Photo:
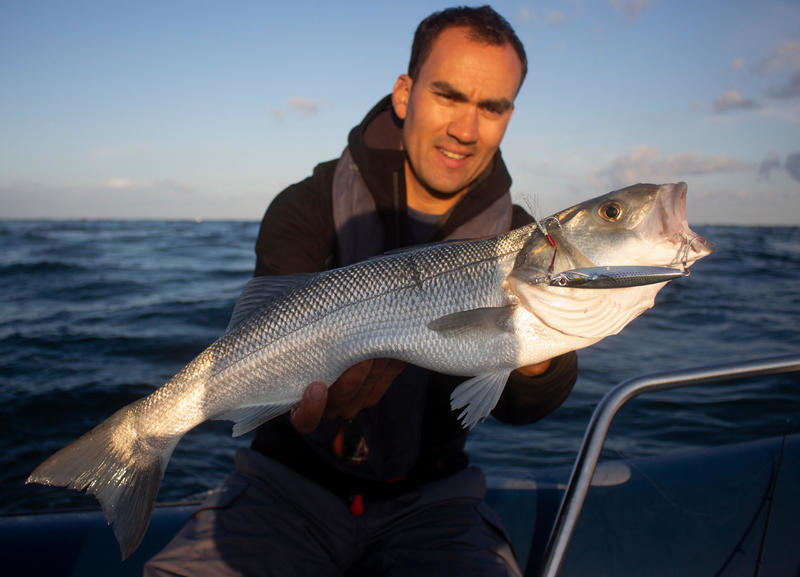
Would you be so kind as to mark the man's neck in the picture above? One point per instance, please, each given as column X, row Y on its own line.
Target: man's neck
column 420, row 199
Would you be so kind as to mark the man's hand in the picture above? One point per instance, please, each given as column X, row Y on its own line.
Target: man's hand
column 535, row 370
column 359, row 387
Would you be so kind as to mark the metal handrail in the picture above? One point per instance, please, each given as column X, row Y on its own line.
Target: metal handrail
column 596, row 431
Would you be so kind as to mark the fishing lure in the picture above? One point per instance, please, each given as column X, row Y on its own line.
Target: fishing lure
column 605, row 277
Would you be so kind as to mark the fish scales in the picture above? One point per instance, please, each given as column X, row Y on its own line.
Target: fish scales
column 371, row 309
column 347, row 315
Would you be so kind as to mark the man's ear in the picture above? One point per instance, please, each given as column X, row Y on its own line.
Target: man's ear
column 400, row 95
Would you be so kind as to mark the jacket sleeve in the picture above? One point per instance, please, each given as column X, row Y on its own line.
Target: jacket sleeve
column 297, row 233
column 528, row 399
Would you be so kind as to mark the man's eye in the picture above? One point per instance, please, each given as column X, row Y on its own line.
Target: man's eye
column 494, row 110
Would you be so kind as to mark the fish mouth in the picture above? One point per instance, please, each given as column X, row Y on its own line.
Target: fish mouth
column 689, row 246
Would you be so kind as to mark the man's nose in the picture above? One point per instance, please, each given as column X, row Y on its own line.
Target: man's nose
column 464, row 125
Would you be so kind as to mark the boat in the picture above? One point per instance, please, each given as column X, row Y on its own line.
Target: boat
column 728, row 510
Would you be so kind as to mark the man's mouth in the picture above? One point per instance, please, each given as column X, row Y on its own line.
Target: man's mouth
column 453, row 155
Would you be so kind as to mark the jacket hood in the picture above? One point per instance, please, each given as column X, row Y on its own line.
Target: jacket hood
column 377, row 149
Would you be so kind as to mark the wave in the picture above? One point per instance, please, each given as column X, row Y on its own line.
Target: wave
column 43, row 267
column 96, row 314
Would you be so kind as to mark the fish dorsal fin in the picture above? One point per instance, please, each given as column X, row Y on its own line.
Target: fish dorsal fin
column 485, row 321
column 424, row 245
column 589, row 314
column 478, row 396
column 262, row 290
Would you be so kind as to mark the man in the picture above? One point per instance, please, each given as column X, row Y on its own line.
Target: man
column 370, row 477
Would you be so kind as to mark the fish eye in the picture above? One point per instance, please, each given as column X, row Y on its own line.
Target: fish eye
column 611, row 211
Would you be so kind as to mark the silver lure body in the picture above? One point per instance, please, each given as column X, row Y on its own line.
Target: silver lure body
column 606, row 277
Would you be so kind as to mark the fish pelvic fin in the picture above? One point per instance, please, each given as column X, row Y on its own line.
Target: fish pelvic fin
column 478, row 396
column 121, row 468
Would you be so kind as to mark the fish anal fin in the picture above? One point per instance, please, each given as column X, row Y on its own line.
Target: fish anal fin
column 248, row 418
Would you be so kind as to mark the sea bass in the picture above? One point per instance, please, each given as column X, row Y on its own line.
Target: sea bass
column 472, row 308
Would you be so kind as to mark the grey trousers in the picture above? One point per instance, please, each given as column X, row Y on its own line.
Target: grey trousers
column 265, row 519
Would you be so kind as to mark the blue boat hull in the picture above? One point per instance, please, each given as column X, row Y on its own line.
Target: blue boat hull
column 728, row 511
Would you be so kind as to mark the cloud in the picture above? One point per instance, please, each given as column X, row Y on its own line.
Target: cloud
column 733, row 100
column 792, row 165
column 789, row 90
column 119, row 183
column 631, row 8
column 554, row 18
column 770, row 163
column 647, row 164
column 125, row 186
column 112, row 198
column 784, row 57
column 304, row 106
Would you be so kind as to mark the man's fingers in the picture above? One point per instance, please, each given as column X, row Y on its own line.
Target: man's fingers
column 305, row 417
column 390, row 368
column 347, row 387
column 359, row 387
column 376, row 383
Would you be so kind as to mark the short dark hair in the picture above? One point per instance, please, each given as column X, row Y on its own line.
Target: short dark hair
column 484, row 24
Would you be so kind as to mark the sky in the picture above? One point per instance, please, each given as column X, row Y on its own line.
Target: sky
column 207, row 110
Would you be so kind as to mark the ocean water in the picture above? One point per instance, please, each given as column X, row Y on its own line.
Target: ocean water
column 95, row 314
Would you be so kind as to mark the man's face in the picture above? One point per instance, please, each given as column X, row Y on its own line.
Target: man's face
column 456, row 111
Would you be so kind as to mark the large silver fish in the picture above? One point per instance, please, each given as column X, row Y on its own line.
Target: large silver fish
column 473, row 308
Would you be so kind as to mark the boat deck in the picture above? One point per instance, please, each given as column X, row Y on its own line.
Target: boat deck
column 730, row 510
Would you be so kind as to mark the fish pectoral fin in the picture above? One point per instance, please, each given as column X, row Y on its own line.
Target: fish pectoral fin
column 478, row 396
column 246, row 419
column 262, row 290
column 486, row 321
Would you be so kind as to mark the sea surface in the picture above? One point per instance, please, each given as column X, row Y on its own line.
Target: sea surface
column 96, row 314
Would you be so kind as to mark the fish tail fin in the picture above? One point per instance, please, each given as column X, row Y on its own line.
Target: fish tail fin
column 117, row 465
